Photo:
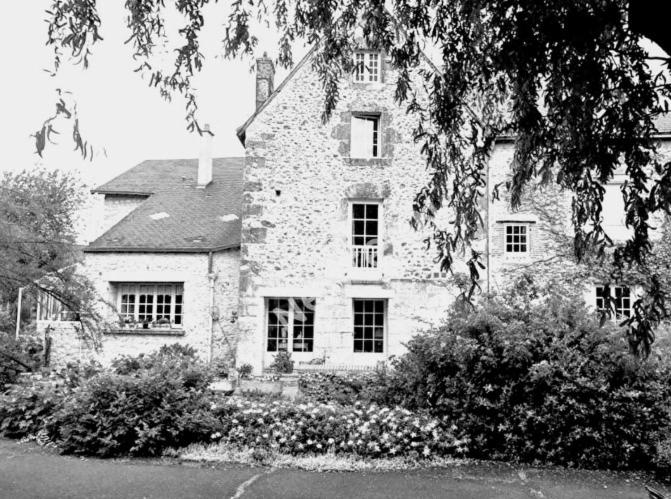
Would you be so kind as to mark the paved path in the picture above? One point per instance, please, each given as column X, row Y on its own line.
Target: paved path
column 27, row 471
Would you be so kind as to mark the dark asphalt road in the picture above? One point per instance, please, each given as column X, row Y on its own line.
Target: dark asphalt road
column 27, row 471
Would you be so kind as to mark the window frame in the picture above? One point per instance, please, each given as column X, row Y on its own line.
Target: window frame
column 362, row 69
column 351, row 235
column 373, row 340
column 376, row 138
column 527, row 239
column 151, row 319
column 615, row 313
column 291, row 325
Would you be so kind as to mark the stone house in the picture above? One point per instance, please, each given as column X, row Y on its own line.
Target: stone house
column 304, row 245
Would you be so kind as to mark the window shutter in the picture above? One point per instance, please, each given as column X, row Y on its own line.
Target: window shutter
column 362, row 138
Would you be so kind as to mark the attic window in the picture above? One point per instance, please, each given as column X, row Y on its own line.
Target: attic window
column 367, row 67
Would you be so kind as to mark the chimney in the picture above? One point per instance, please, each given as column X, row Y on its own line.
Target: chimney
column 205, row 158
column 265, row 79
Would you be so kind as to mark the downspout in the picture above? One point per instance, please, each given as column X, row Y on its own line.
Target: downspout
column 18, row 313
column 211, row 277
column 488, row 225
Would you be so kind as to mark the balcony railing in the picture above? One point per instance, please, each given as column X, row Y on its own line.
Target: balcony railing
column 364, row 257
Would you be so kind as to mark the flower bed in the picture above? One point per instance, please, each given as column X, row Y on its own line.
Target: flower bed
column 369, row 431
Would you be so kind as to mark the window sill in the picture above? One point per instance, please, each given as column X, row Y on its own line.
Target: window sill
column 368, row 161
column 145, row 332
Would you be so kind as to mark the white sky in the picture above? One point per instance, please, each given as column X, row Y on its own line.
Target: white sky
column 119, row 114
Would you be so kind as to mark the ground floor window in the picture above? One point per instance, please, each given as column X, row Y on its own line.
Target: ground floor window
column 50, row 308
column 369, row 325
column 150, row 305
column 290, row 324
column 620, row 300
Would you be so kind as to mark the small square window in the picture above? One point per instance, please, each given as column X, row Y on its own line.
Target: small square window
column 365, row 136
column 366, row 67
column 517, row 240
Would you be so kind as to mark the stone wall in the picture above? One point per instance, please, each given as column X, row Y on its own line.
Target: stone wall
column 299, row 181
column 190, row 269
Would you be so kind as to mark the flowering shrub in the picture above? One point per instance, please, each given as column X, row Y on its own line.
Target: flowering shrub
column 533, row 377
column 27, row 349
column 370, row 431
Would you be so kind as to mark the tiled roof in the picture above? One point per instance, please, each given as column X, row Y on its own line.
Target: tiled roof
column 177, row 215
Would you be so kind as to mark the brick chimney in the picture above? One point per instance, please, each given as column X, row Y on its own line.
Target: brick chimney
column 205, row 158
column 265, row 79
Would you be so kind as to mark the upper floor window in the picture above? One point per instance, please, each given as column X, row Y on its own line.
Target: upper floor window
column 620, row 300
column 290, row 324
column 365, row 136
column 367, row 67
column 517, row 238
column 365, row 234
column 150, row 305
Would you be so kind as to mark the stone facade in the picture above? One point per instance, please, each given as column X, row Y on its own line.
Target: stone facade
column 206, row 295
column 299, row 183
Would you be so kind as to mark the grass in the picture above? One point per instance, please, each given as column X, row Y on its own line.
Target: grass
column 315, row 462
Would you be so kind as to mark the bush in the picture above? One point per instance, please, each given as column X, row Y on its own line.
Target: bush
column 142, row 415
column 25, row 409
column 28, row 349
column 345, row 389
column 282, row 363
column 532, row 377
column 245, row 371
column 370, row 431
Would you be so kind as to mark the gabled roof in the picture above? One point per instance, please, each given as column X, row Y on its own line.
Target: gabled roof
column 176, row 215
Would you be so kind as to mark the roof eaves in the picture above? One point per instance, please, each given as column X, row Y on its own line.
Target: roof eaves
column 123, row 249
column 121, row 193
column 240, row 132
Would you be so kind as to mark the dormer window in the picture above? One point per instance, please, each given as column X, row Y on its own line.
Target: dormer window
column 367, row 67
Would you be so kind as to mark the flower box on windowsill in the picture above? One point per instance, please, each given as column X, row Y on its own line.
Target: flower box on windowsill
column 146, row 332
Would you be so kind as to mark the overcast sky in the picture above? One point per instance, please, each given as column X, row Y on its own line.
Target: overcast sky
column 120, row 115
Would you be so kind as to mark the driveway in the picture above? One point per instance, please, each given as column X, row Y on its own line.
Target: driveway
column 28, row 471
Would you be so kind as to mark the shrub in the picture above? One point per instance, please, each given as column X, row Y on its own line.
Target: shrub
column 282, row 363
column 532, row 377
column 27, row 349
column 115, row 415
column 370, row 431
column 25, row 409
column 345, row 388
column 245, row 371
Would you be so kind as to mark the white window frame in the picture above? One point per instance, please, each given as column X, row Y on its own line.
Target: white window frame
column 367, row 66
column 363, row 145
column 616, row 314
column 527, row 239
column 385, row 325
column 291, row 333
column 355, row 250
column 131, row 320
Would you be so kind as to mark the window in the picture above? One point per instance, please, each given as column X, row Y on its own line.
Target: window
column 50, row 308
column 157, row 305
column 365, row 235
column 291, row 324
column 517, row 238
column 367, row 67
column 369, row 325
column 365, row 136
column 620, row 300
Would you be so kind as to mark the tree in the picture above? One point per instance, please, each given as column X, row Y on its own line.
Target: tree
column 569, row 80
column 38, row 240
